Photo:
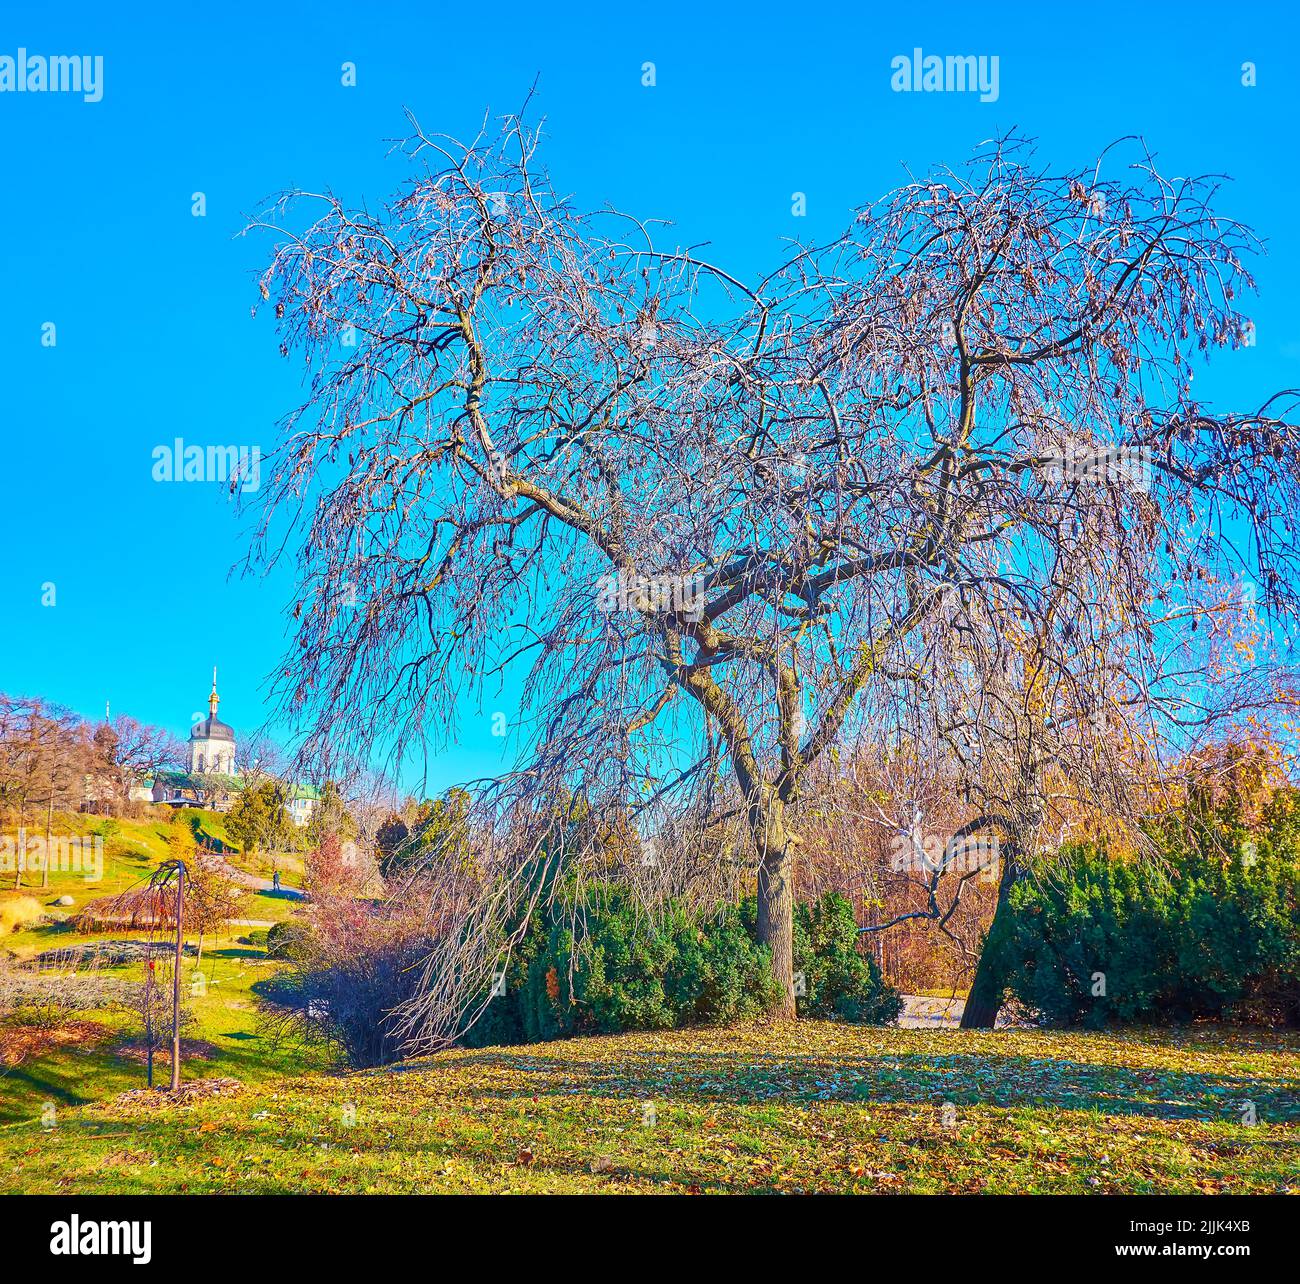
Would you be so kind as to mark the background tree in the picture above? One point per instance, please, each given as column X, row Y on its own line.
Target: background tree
column 67, row 756
column 369, row 797
column 210, row 900
column 721, row 526
column 881, row 826
column 331, row 816
column 391, row 843
column 45, row 763
column 335, row 867
column 130, row 752
column 259, row 759
column 440, row 834
column 258, row 820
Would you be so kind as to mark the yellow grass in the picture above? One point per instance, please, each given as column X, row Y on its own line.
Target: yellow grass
column 17, row 912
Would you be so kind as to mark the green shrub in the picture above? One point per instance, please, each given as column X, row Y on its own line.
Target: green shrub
column 720, row 973
column 630, row 971
column 285, row 939
column 1211, row 931
column 839, row 983
column 635, row 971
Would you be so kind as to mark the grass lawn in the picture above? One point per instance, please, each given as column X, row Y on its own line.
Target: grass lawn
column 132, row 850
column 809, row 1107
column 231, row 1041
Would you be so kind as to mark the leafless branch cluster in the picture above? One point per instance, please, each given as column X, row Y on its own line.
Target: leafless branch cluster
column 942, row 483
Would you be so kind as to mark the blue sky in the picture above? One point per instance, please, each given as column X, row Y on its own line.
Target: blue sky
column 151, row 305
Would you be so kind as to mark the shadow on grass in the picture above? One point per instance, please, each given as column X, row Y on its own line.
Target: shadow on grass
column 86, row 1081
column 236, row 952
column 974, row 1079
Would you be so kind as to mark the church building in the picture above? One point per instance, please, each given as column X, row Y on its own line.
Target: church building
column 211, row 779
column 212, row 742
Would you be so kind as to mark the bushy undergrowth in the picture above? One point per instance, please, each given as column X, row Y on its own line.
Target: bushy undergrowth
column 839, row 983
column 620, row 967
column 1210, row 930
column 349, row 969
column 623, row 968
column 609, row 966
column 43, row 998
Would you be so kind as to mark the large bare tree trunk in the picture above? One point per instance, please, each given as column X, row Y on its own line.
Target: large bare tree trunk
column 985, row 998
column 776, row 919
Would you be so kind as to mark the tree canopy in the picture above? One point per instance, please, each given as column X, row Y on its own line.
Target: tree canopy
column 945, row 478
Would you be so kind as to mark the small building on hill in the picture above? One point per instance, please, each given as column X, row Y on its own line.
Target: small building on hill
column 212, row 778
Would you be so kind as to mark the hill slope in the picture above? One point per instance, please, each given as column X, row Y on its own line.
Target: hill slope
column 813, row 1107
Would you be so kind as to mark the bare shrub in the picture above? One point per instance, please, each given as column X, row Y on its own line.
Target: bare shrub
column 45, row 997
column 352, row 965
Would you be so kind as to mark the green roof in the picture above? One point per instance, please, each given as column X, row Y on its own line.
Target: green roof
column 184, row 780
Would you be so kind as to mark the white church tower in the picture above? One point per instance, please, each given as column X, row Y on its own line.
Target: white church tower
column 212, row 742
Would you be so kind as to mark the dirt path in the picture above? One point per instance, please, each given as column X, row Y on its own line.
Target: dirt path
column 923, row 1012
column 257, row 882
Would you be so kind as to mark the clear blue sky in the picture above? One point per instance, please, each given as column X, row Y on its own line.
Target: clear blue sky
column 154, row 338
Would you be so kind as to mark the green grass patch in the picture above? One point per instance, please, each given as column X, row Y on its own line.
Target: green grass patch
column 235, row 1042
column 812, row 1106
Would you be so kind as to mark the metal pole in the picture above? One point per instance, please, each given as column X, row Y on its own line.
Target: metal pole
column 148, row 1020
column 176, row 977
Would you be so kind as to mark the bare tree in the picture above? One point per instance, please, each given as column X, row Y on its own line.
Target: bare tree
column 368, row 797
column 152, row 1002
column 210, row 903
column 45, row 762
column 132, row 752
column 260, row 759
column 944, row 477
